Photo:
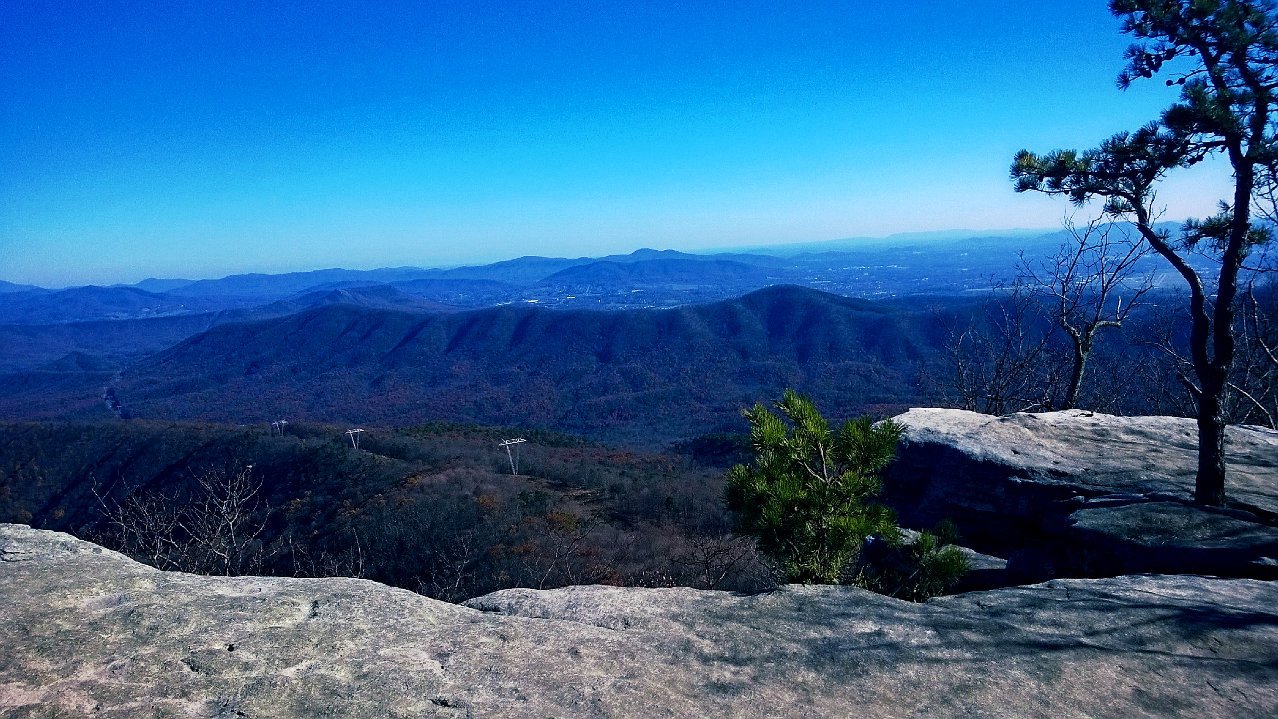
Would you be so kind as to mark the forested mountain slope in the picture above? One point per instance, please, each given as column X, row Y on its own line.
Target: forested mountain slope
column 647, row 375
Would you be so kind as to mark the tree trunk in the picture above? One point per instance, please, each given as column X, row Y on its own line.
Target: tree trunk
column 1082, row 348
column 1212, row 372
column 1209, row 483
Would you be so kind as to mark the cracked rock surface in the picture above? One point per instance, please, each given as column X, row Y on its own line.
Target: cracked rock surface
column 86, row 632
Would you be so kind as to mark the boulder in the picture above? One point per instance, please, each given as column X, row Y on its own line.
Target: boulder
column 1077, row 493
column 88, row 632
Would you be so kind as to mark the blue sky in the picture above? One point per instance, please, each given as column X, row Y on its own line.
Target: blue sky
column 185, row 139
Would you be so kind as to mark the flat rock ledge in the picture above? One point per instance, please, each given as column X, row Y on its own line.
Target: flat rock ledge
column 86, row 632
column 1079, row 493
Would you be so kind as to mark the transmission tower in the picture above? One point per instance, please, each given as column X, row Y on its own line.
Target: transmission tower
column 512, row 456
column 354, row 435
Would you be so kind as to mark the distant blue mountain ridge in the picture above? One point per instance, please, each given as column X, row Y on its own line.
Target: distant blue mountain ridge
column 115, row 325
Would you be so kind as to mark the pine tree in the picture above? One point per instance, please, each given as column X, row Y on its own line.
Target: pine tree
column 1223, row 55
column 807, row 497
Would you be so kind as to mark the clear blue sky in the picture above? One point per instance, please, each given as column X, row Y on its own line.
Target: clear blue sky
column 198, row 139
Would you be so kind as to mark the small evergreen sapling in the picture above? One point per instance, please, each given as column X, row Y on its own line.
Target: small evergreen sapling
column 806, row 498
column 807, row 501
column 929, row 565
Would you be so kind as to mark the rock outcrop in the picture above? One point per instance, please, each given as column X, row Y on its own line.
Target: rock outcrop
column 88, row 632
column 1076, row 493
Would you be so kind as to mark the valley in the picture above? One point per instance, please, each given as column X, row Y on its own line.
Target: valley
column 644, row 349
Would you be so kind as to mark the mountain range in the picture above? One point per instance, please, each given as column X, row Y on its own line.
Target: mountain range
column 648, row 347
column 120, row 324
column 642, row 376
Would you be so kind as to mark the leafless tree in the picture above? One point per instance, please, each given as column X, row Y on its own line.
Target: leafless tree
column 558, row 548
column 715, row 558
column 216, row 530
column 1255, row 375
column 1004, row 364
column 1084, row 284
column 223, row 522
column 1017, row 358
column 146, row 527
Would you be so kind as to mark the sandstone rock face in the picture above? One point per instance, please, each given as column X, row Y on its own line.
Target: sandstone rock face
column 1085, row 494
column 87, row 632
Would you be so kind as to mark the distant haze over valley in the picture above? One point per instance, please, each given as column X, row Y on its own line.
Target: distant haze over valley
column 600, row 346
column 189, row 273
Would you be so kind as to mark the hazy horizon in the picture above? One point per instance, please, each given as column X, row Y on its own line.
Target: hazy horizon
column 779, row 249
column 150, row 140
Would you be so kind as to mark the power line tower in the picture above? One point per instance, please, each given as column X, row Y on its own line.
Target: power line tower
column 354, row 435
column 512, row 456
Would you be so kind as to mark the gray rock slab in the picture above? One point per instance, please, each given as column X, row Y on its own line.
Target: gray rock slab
column 87, row 632
column 1100, row 453
column 1080, row 493
column 1174, row 537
